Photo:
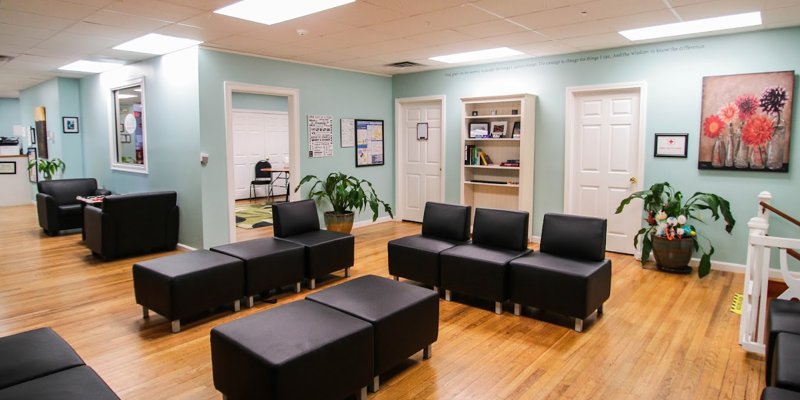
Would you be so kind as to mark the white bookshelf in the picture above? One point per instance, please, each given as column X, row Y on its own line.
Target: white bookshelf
column 495, row 186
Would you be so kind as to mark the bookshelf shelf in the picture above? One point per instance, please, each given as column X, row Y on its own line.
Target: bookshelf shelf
column 490, row 167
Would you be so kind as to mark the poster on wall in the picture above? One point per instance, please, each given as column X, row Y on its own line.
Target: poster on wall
column 746, row 122
column 320, row 136
column 369, row 142
column 347, row 132
column 40, row 118
column 33, row 174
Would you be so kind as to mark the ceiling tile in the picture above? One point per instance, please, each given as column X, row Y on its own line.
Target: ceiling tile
column 517, row 39
column 127, row 21
column 33, row 20
column 155, row 9
column 284, row 51
column 361, row 14
column 439, row 37
column 240, row 43
column 349, row 38
column 599, row 41
column 51, row 8
column 433, row 21
column 287, row 32
column 392, row 46
column 716, row 8
column 546, row 49
column 416, row 7
column 208, row 5
column 192, row 32
column 785, row 16
column 221, row 23
column 97, row 30
column 491, row 28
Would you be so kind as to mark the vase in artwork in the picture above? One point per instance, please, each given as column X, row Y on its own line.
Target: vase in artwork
column 718, row 153
column 775, row 148
column 741, row 157
column 757, row 157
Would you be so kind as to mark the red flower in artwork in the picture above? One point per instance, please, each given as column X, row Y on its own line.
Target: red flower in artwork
column 757, row 130
column 728, row 112
column 747, row 105
column 712, row 126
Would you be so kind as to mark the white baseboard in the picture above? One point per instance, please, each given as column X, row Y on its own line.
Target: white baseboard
column 368, row 222
column 774, row 274
column 185, row 247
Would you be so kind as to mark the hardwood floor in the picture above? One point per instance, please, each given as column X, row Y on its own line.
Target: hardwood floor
column 662, row 336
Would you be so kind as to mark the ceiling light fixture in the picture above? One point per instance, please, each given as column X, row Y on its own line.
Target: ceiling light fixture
column 696, row 26
column 93, row 67
column 479, row 55
column 154, row 43
column 274, row 11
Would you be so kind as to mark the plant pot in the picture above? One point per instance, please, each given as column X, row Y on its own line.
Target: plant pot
column 673, row 255
column 339, row 222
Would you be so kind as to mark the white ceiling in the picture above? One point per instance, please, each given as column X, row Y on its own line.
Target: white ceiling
column 43, row 35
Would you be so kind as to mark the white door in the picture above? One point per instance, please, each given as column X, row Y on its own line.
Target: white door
column 421, row 170
column 258, row 135
column 606, row 161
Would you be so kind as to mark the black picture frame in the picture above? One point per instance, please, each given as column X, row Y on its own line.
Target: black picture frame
column 69, row 125
column 33, row 134
column 478, row 130
column 671, row 145
column 33, row 174
column 369, row 142
column 4, row 170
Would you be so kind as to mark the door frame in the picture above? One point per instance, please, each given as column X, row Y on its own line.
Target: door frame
column 400, row 147
column 572, row 94
column 293, row 100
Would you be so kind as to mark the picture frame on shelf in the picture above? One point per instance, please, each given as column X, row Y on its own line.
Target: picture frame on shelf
column 478, row 130
column 671, row 145
column 69, row 124
column 515, row 131
column 498, row 129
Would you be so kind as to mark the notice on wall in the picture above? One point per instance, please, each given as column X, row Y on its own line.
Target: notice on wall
column 347, row 132
column 320, row 136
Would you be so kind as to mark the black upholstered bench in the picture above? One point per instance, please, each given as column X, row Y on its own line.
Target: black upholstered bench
column 773, row 393
column 405, row 317
column 783, row 316
column 269, row 263
column 786, row 362
column 187, row 284
column 301, row 350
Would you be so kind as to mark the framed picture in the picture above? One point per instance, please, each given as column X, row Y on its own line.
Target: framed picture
column 515, row 131
column 422, row 131
column 33, row 175
column 478, row 129
column 670, row 145
column 499, row 128
column 347, row 132
column 8, row 167
column 746, row 122
column 369, row 142
column 33, row 135
column 69, row 124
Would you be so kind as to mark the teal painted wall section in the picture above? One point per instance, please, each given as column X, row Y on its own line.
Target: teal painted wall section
column 248, row 101
column 172, row 129
column 71, row 144
column 673, row 72
column 9, row 116
column 340, row 94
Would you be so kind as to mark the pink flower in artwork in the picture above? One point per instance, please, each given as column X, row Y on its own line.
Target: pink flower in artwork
column 728, row 112
column 747, row 105
column 758, row 130
column 712, row 126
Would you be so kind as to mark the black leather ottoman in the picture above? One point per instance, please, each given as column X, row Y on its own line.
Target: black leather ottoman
column 786, row 362
column 269, row 263
column 773, row 393
column 32, row 354
column 405, row 317
column 783, row 316
column 299, row 351
column 325, row 252
column 187, row 284
column 78, row 383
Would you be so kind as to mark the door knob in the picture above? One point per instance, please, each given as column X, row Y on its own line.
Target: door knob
column 633, row 180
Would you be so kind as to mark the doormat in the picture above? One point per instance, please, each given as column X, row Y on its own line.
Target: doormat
column 736, row 304
column 253, row 216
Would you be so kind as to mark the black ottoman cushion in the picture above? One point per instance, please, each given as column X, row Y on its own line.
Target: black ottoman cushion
column 786, row 361
column 477, row 270
column 301, row 350
column 326, row 251
column 417, row 257
column 773, row 393
column 186, row 284
column 32, row 354
column 572, row 287
column 405, row 317
column 783, row 316
column 269, row 263
column 78, row 383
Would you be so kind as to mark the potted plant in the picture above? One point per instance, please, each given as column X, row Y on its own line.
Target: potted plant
column 345, row 193
column 670, row 233
column 48, row 167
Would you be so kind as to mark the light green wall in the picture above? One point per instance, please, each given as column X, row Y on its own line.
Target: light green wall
column 249, row 101
column 172, row 129
column 673, row 72
column 326, row 91
column 9, row 116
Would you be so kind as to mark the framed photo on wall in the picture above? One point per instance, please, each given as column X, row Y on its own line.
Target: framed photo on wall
column 369, row 142
column 69, row 124
column 670, row 145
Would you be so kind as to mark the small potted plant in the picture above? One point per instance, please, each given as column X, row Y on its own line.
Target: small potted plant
column 670, row 233
column 345, row 193
column 48, row 167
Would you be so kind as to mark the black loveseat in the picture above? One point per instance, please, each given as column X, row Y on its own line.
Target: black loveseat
column 783, row 351
column 57, row 206
column 132, row 224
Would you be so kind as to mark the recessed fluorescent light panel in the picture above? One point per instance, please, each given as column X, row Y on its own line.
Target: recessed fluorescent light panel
column 270, row 12
column 479, row 55
column 154, row 43
column 89, row 66
column 696, row 26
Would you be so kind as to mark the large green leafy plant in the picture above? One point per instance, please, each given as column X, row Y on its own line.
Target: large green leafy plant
column 345, row 193
column 48, row 167
column 669, row 215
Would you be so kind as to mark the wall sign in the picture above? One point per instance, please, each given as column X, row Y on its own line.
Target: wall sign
column 347, row 132
column 320, row 136
column 369, row 142
column 670, row 145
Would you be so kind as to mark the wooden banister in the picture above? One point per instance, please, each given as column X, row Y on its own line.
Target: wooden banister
column 780, row 213
column 793, row 253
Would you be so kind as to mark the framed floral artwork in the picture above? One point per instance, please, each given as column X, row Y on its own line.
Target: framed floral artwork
column 746, row 122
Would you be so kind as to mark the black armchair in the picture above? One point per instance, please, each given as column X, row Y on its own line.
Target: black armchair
column 479, row 268
column 132, row 224
column 56, row 204
column 416, row 257
column 325, row 251
column 569, row 274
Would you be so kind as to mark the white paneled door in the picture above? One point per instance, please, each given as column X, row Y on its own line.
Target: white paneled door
column 421, row 172
column 258, row 135
column 605, row 161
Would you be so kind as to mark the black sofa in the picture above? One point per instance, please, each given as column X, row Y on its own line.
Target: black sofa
column 416, row 257
column 132, row 224
column 325, row 251
column 783, row 351
column 39, row 364
column 57, row 206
